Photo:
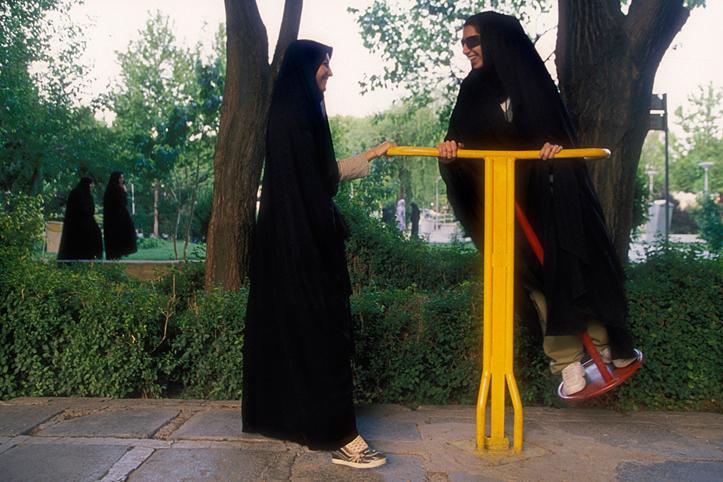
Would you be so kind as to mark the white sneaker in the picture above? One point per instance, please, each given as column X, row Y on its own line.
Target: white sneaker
column 617, row 363
column 573, row 378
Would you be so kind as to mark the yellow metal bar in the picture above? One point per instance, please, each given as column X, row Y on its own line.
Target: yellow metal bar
column 498, row 329
column 474, row 154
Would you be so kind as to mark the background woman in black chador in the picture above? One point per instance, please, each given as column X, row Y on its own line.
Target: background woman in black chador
column 120, row 233
column 297, row 382
column 81, row 237
column 509, row 101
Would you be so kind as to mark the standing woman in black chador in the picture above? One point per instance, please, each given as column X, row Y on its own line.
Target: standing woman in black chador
column 509, row 102
column 297, row 382
column 81, row 237
column 120, row 233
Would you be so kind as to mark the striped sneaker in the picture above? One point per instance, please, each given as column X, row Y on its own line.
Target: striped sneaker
column 366, row 459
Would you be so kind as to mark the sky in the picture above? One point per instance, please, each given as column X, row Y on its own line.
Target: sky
column 694, row 59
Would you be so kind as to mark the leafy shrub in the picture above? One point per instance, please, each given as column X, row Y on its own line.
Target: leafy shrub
column 21, row 225
column 71, row 331
column 676, row 316
column 417, row 347
column 89, row 330
column 708, row 218
column 209, row 343
column 380, row 256
column 149, row 243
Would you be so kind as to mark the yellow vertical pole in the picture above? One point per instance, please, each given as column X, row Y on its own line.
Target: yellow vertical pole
column 497, row 370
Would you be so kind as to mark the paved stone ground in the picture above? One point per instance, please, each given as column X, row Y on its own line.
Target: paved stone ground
column 79, row 440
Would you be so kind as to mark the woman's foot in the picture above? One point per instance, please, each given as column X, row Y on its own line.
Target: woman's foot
column 573, row 378
column 358, row 454
column 618, row 362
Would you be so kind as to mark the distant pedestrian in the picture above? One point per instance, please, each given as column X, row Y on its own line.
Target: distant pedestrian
column 387, row 215
column 401, row 215
column 81, row 237
column 415, row 220
column 120, row 233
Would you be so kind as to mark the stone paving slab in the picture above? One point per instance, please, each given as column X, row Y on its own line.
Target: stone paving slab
column 208, row 465
column 18, row 420
column 216, row 424
column 139, row 423
column 670, row 471
column 58, row 462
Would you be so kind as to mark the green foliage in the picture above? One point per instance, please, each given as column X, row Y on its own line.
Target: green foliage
column 149, row 243
column 21, row 226
column 702, row 124
column 711, row 225
column 74, row 332
column 415, row 347
column 208, row 348
column 380, row 257
column 412, row 178
column 676, row 315
column 89, row 330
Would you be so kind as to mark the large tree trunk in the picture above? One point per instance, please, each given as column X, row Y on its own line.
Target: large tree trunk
column 606, row 63
column 239, row 151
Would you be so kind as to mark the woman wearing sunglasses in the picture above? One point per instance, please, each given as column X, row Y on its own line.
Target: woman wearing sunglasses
column 509, row 102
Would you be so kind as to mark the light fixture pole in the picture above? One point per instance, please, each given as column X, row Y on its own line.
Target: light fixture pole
column 436, row 203
column 651, row 174
column 706, row 166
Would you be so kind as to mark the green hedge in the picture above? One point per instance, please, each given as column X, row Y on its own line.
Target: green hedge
column 92, row 331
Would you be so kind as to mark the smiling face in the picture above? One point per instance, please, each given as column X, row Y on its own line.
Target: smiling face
column 323, row 74
column 471, row 46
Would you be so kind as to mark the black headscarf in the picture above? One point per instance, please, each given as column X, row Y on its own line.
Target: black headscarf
column 512, row 103
column 81, row 237
column 120, row 232
column 297, row 372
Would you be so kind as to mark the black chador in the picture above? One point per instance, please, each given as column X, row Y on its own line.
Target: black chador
column 511, row 103
column 120, row 233
column 81, row 237
column 297, row 381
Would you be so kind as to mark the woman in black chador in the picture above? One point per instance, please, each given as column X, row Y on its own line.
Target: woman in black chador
column 297, row 382
column 120, row 233
column 509, row 102
column 81, row 237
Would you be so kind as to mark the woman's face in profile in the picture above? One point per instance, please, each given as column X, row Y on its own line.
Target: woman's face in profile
column 471, row 46
column 323, row 74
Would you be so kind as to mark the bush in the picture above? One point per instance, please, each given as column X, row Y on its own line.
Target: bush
column 676, row 317
column 72, row 331
column 709, row 220
column 149, row 243
column 21, row 225
column 208, row 346
column 381, row 258
column 89, row 330
column 417, row 347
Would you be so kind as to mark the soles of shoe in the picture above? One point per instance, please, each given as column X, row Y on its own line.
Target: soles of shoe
column 356, row 465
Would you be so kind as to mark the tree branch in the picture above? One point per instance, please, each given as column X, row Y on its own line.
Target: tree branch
column 288, row 32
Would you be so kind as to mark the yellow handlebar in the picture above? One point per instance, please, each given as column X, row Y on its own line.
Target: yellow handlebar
column 473, row 154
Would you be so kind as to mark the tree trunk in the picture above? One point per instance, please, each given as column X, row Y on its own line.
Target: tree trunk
column 156, row 191
column 606, row 63
column 240, row 146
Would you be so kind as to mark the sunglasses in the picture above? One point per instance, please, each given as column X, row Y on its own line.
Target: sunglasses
column 472, row 41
